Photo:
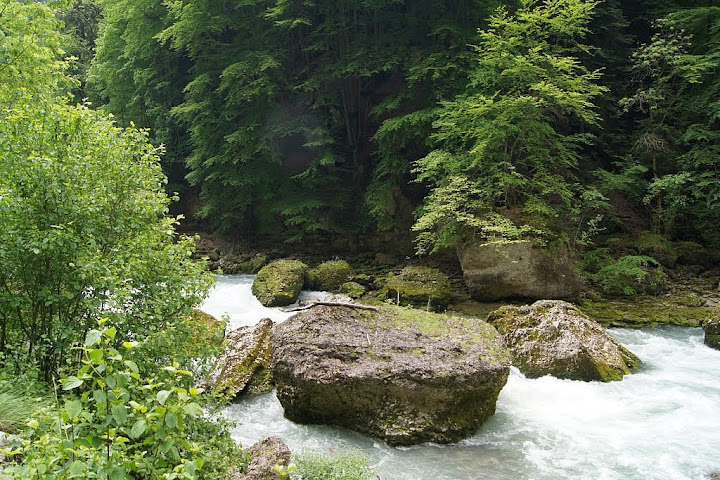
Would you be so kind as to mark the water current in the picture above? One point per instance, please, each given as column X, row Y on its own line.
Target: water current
column 661, row 423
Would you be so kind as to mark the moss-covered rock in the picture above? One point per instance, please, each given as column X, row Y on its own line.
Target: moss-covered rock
column 423, row 287
column 712, row 331
column 632, row 275
column 691, row 253
column 352, row 289
column 658, row 247
column 520, row 269
column 402, row 375
column 329, row 276
column 244, row 366
column 279, row 283
column 552, row 337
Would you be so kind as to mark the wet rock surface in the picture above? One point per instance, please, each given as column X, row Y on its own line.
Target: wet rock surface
column 400, row 375
column 244, row 366
column 552, row 337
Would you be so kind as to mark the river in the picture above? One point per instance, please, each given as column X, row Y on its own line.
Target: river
column 662, row 423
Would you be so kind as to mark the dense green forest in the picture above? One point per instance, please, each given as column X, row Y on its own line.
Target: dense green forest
column 289, row 118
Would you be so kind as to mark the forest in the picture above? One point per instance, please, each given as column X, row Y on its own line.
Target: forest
column 300, row 119
column 131, row 131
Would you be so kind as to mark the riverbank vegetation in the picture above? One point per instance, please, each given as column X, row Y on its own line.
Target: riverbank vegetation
column 347, row 127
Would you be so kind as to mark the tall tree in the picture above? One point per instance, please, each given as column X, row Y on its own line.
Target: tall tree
column 507, row 149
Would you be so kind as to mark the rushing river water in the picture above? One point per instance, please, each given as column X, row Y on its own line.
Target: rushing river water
column 662, row 423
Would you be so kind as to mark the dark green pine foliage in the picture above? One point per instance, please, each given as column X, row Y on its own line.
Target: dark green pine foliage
column 676, row 108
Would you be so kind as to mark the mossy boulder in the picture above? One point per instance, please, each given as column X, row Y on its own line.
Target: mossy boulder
column 244, row 366
column 632, row 275
column 401, row 375
column 658, row 247
column 519, row 269
column 329, row 276
column 691, row 253
column 352, row 289
column 712, row 331
column 424, row 287
column 552, row 337
column 279, row 283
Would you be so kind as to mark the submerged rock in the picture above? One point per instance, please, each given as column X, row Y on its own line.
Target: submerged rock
column 402, row 375
column 553, row 337
column 244, row 366
column 523, row 269
column 423, row 287
column 712, row 332
column 279, row 283
column 329, row 276
column 267, row 455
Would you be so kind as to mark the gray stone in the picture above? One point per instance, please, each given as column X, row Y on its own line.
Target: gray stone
column 552, row 337
column 712, row 331
column 244, row 366
column 519, row 269
column 267, row 456
column 402, row 375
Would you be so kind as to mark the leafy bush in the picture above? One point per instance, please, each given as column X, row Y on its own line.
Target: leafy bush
column 345, row 465
column 118, row 422
column 631, row 275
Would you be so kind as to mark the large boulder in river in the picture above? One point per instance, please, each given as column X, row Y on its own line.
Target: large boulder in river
column 279, row 283
column 402, row 375
column 244, row 366
column 423, row 287
column 712, row 331
column 552, row 337
column 518, row 269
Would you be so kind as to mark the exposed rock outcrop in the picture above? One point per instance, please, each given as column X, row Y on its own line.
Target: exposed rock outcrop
column 279, row 283
column 244, row 366
column 423, row 287
column 401, row 375
column 520, row 269
column 553, row 337
column 267, row 456
column 329, row 276
column 712, row 332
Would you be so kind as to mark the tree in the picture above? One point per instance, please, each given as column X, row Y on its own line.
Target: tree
column 506, row 150
column 83, row 225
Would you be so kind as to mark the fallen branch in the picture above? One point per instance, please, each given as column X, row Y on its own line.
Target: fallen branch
column 331, row 304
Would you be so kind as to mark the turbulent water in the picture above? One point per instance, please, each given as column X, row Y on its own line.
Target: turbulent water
column 661, row 423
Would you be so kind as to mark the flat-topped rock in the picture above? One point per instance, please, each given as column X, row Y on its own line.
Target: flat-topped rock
column 401, row 375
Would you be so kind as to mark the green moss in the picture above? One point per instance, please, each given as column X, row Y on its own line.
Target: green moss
column 646, row 312
column 279, row 283
column 352, row 289
column 329, row 276
column 419, row 286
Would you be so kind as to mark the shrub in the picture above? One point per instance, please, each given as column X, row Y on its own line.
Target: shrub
column 345, row 465
column 116, row 422
column 632, row 275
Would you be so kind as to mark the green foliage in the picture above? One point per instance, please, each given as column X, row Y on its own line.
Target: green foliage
column 631, row 275
column 344, row 465
column 83, row 225
column 506, row 150
column 117, row 421
column 15, row 409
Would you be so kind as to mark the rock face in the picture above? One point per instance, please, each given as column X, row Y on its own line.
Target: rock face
column 401, row 375
column 279, row 283
column 420, row 286
column 329, row 276
column 494, row 271
column 555, row 338
column 267, row 455
column 712, row 332
column 244, row 366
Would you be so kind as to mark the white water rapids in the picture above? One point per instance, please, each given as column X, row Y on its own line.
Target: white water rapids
column 662, row 423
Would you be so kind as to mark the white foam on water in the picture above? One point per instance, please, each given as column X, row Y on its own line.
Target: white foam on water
column 661, row 423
